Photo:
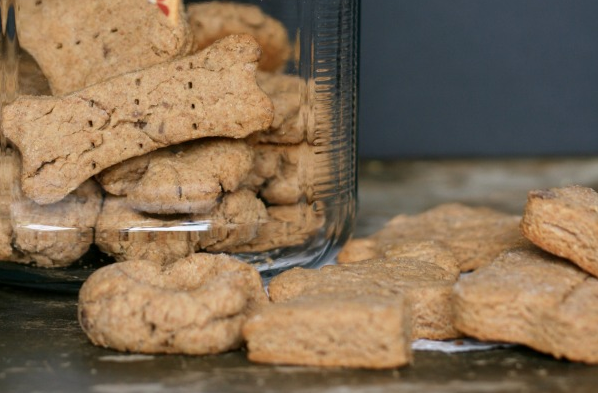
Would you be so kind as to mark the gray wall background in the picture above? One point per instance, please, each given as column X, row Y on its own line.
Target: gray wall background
column 459, row 78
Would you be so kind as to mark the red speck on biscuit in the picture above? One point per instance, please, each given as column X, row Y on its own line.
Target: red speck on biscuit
column 164, row 9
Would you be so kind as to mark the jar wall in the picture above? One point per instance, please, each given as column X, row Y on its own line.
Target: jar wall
column 196, row 147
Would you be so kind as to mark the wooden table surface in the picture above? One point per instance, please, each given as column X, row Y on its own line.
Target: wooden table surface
column 42, row 348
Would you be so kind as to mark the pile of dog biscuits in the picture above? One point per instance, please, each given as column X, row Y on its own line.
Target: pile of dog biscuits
column 532, row 283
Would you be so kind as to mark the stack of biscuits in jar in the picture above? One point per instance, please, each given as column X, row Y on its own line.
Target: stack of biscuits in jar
column 154, row 116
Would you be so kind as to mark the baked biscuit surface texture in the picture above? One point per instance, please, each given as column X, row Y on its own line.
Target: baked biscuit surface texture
column 210, row 21
column 212, row 93
column 426, row 283
column 233, row 222
column 530, row 297
column 187, row 178
column 329, row 330
column 80, row 43
column 196, row 305
column 54, row 235
column 475, row 235
column 564, row 222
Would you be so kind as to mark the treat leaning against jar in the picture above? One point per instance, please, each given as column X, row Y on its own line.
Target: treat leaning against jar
column 80, row 43
column 186, row 178
column 210, row 21
column 196, row 305
column 212, row 93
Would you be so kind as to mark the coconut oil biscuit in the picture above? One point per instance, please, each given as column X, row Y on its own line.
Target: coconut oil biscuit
column 196, row 305
column 530, row 297
column 475, row 235
column 127, row 234
column 564, row 222
column 210, row 21
column 54, row 235
column 424, row 274
column 212, row 93
column 187, row 178
column 330, row 330
column 80, row 43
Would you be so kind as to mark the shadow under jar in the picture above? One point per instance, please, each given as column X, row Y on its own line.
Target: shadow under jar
column 153, row 129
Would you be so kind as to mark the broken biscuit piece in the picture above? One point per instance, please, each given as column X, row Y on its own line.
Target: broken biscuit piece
column 213, row 93
column 186, row 178
column 80, row 43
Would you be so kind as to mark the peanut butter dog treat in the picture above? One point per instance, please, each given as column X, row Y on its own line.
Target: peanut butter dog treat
column 212, row 93
column 211, row 21
column 187, row 178
column 234, row 221
column 564, row 222
column 285, row 226
column 475, row 235
column 195, row 305
column 327, row 330
column 426, row 281
column 25, row 225
column 80, row 43
column 530, row 297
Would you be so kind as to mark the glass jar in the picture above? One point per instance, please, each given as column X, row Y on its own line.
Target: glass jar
column 152, row 129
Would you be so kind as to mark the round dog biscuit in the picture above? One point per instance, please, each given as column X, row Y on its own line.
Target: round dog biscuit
column 196, row 305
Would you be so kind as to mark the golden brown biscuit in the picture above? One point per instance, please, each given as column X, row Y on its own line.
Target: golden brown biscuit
column 196, row 305
column 284, row 174
column 326, row 330
column 80, row 43
column 564, row 222
column 475, row 235
column 126, row 234
column 211, row 21
column 212, row 93
column 186, row 178
column 54, row 235
column 286, row 93
column 530, row 297
column 285, row 226
column 425, row 278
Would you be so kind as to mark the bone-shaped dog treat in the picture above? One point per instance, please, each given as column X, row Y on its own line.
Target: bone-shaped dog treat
column 64, row 141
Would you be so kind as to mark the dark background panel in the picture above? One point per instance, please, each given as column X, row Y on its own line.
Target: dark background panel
column 478, row 78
